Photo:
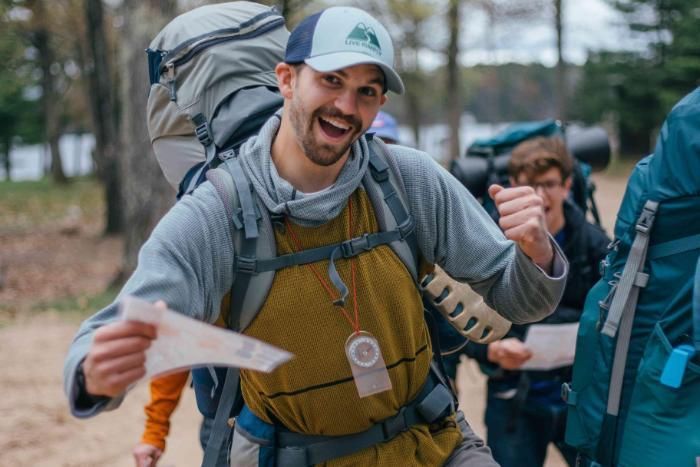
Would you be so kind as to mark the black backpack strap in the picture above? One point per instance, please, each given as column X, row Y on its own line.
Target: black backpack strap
column 391, row 192
column 216, row 454
column 203, row 132
column 246, row 252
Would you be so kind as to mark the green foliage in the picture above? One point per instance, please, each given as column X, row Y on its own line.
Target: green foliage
column 640, row 88
column 510, row 92
column 39, row 204
column 492, row 93
column 18, row 114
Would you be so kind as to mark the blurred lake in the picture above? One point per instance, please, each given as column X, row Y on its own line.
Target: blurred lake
column 31, row 162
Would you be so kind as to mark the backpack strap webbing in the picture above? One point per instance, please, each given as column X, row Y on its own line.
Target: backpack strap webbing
column 621, row 314
column 433, row 402
column 633, row 277
column 215, row 454
column 203, row 132
column 246, row 251
column 405, row 224
column 255, row 259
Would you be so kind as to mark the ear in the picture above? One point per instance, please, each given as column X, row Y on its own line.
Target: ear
column 285, row 79
column 512, row 181
column 383, row 100
column 567, row 184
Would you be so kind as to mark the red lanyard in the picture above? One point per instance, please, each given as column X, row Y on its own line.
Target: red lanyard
column 356, row 323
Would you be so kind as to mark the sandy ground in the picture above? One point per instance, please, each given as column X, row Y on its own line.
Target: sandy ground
column 35, row 426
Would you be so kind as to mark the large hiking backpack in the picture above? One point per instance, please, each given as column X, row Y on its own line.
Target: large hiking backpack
column 212, row 85
column 637, row 318
column 486, row 160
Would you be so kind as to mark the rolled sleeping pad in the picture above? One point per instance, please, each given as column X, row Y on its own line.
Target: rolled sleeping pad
column 590, row 145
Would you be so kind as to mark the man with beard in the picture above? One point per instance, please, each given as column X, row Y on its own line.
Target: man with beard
column 360, row 389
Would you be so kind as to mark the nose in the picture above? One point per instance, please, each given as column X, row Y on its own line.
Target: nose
column 346, row 102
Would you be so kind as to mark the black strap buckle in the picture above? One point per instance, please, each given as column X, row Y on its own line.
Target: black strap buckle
column 395, row 424
column 203, row 132
column 246, row 265
column 407, row 227
column 352, row 247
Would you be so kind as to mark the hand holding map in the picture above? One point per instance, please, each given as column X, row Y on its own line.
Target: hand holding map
column 184, row 342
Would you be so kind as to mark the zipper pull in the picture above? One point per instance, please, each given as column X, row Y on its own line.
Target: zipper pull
column 171, row 80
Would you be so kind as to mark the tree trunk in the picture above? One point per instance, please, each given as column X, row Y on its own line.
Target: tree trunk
column 6, row 148
column 561, row 64
column 454, row 96
column 49, row 99
column 147, row 195
column 105, row 124
column 413, row 82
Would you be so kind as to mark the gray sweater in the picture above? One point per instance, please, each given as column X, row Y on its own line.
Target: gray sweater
column 188, row 260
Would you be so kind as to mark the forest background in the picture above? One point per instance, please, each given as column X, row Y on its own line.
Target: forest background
column 78, row 67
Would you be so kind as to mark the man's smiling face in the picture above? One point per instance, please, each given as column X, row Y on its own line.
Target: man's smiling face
column 330, row 110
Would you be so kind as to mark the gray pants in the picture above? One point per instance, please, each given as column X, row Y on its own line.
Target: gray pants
column 472, row 452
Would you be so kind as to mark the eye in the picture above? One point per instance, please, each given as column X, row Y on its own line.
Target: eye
column 331, row 79
column 369, row 91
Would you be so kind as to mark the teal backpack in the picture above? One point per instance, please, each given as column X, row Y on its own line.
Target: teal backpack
column 635, row 396
column 486, row 160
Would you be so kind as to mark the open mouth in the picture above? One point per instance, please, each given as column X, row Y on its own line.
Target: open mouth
column 334, row 128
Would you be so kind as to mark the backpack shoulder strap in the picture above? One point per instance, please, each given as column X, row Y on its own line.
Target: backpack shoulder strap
column 250, row 242
column 388, row 196
column 215, row 454
column 621, row 315
column 244, row 210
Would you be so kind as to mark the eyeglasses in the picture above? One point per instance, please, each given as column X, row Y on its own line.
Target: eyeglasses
column 547, row 185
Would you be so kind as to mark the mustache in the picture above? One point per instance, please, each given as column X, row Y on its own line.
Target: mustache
column 332, row 112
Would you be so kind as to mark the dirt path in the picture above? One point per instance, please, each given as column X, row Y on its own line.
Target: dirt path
column 35, row 426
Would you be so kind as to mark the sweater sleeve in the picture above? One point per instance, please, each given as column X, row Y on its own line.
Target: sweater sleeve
column 454, row 231
column 186, row 262
column 165, row 395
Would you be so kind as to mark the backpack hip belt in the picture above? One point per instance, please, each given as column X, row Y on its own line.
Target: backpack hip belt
column 433, row 403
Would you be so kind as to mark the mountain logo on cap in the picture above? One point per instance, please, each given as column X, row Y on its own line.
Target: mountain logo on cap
column 363, row 36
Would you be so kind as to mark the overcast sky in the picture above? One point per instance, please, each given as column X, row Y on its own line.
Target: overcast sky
column 588, row 25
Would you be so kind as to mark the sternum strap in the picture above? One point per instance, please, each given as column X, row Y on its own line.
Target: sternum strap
column 348, row 249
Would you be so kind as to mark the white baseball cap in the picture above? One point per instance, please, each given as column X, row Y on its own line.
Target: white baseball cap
column 340, row 37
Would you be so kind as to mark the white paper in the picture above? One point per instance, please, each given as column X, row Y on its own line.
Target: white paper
column 552, row 346
column 184, row 342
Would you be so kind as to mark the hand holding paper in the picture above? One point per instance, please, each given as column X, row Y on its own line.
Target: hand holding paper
column 183, row 342
column 552, row 345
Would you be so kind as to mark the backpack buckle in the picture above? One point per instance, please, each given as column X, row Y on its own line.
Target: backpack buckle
column 379, row 175
column 406, row 228
column 646, row 218
column 352, row 247
column 395, row 425
column 246, row 265
column 203, row 132
column 226, row 155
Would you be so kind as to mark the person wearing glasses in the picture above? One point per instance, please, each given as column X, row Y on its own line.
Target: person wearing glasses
column 524, row 411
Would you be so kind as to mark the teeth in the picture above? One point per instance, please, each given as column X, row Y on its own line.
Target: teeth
column 336, row 123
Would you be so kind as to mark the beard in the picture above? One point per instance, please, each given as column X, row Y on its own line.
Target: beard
column 317, row 152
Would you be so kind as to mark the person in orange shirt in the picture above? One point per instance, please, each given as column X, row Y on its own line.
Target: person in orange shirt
column 165, row 395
